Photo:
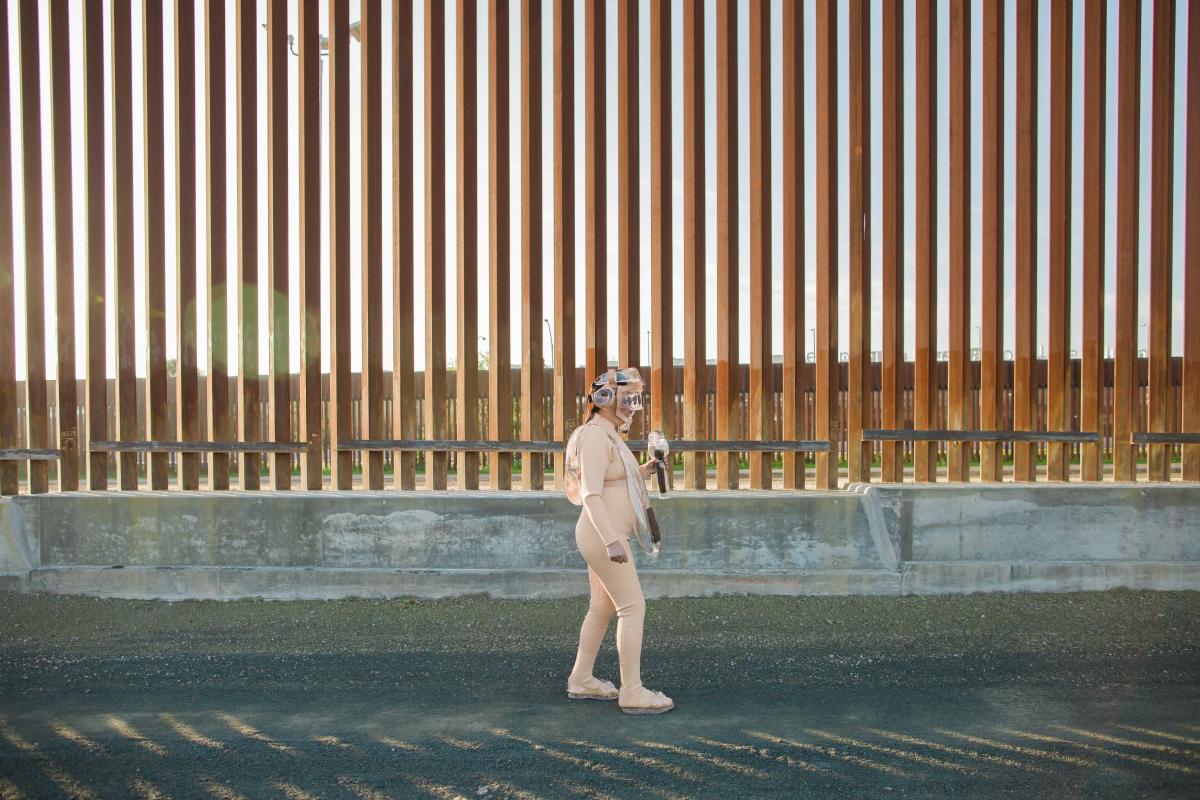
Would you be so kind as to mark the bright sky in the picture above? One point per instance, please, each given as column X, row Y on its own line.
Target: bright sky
column 136, row 130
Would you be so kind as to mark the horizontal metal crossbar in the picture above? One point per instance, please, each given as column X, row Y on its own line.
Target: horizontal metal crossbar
column 451, row 445
column 198, row 447
column 26, row 454
column 737, row 446
column 905, row 435
column 1143, row 437
column 485, row 445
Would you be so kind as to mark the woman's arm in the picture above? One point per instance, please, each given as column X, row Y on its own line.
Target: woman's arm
column 593, row 462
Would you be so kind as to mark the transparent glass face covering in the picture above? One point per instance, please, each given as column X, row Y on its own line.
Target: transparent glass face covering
column 621, row 391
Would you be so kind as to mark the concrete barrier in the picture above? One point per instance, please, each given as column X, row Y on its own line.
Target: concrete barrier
column 1043, row 537
column 891, row 539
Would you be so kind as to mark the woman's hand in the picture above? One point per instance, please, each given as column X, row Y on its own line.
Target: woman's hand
column 616, row 552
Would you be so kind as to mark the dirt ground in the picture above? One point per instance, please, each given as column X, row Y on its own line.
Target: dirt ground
column 1073, row 695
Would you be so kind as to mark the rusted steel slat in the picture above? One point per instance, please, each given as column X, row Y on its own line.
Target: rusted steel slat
column 8, row 315
column 595, row 227
column 1025, row 154
column 532, row 361
column 662, row 376
column 279, row 406
column 404, row 385
column 925, row 383
column 858, row 391
column 694, row 283
column 467, row 372
column 759, row 102
column 1091, row 386
column 500, row 418
column 891, row 399
column 1191, row 289
column 991, row 367
column 121, row 75
column 1161, row 247
column 371, row 254
column 792, row 80
column 724, row 408
column 249, row 414
column 96, row 325
column 1058, row 390
column 155, row 243
column 36, row 403
column 60, row 81
column 958, row 369
column 1125, row 401
column 309, row 243
column 435, row 240
column 340, row 345
column 187, row 408
column 565, row 373
column 629, row 186
column 36, row 400
column 826, row 422
column 220, row 427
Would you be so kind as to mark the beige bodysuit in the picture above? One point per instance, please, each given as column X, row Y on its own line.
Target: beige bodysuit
column 614, row 586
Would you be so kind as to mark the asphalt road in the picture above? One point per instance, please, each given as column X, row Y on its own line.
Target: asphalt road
column 1087, row 695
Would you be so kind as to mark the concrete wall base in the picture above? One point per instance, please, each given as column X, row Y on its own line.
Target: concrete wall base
column 872, row 539
column 965, row 577
column 14, row 583
column 306, row 583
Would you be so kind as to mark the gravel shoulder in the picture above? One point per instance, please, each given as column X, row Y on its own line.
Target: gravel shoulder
column 1094, row 694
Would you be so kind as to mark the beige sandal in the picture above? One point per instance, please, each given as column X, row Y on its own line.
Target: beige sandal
column 647, row 702
column 592, row 689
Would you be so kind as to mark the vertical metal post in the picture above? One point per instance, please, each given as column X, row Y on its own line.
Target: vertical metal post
column 792, row 180
column 1094, row 112
column 404, row 389
column 1129, row 55
column 725, row 410
column 891, row 399
column 959, row 368
column 1025, row 153
column 595, row 227
column 187, row 390
column 532, row 362
column 564, row 227
column 279, row 385
column 1058, row 391
column 759, row 88
column 858, row 385
column 925, row 382
column 1162, row 168
column 826, row 425
column 435, row 240
column 340, row 412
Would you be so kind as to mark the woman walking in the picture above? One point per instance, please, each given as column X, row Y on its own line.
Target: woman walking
column 603, row 476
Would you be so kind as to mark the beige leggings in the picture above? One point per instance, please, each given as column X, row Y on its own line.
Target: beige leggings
column 614, row 587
